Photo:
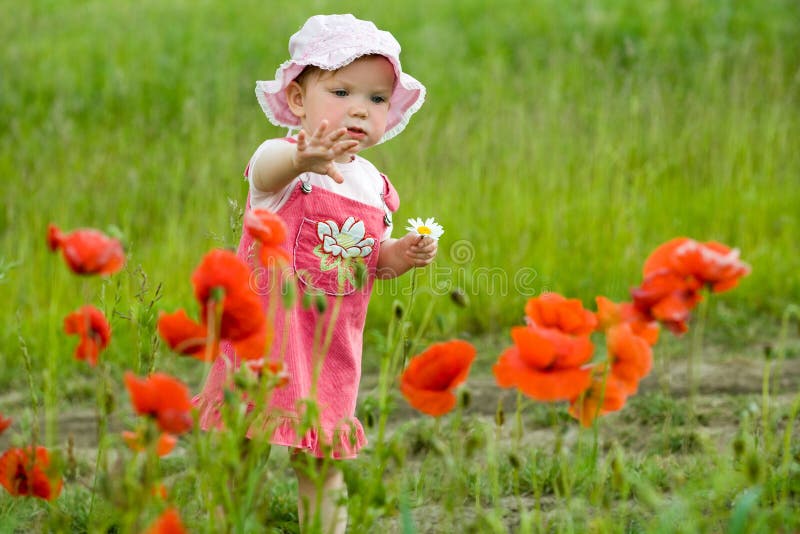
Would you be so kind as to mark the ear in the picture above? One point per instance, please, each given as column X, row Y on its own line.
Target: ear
column 294, row 97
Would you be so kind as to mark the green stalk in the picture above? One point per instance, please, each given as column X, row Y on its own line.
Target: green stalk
column 694, row 353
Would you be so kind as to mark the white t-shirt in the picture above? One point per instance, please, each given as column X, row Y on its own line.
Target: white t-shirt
column 362, row 182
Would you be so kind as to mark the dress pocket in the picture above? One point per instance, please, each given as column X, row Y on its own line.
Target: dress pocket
column 327, row 255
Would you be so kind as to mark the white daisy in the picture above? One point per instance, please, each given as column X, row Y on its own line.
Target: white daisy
column 429, row 228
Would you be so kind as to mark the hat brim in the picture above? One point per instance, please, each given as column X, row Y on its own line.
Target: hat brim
column 407, row 97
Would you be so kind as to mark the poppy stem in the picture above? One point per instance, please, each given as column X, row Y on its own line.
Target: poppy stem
column 518, row 421
column 29, row 372
column 409, row 309
column 694, row 352
column 100, row 414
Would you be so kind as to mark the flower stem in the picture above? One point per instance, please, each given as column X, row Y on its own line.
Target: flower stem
column 694, row 352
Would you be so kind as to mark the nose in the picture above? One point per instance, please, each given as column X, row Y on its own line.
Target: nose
column 358, row 110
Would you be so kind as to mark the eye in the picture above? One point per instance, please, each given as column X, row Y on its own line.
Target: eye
column 339, row 92
column 378, row 99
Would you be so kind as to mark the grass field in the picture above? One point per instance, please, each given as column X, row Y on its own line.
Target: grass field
column 561, row 142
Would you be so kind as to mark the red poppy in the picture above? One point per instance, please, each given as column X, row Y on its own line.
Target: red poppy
column 711, row 263
column 270, row 231
column 668, row 297
column 599, row 399
column 162, row 397
column 185, row 336
column 91, row 326
column 545, row 363
column 4, row 423
column 239, row 317
column 22, row 473
column 552, row 310
column 167, row 523
column 631, row 356
column 429, row 380
column 87, row 251
column 136, row 442
column 610, row 314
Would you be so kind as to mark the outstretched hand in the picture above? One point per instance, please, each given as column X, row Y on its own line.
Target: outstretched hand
column 317, row 152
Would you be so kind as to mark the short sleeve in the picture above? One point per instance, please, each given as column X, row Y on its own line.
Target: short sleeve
column 261, row 199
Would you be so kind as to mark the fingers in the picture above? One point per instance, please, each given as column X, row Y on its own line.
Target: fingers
column 302, row 140
column 328, row 140
column 335, row 175
column 343, row 147
column 422, row 250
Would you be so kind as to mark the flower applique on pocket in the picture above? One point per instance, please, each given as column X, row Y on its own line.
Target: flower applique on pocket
column 326, row 254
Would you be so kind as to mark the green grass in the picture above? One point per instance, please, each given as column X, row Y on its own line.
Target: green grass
column 561, row 142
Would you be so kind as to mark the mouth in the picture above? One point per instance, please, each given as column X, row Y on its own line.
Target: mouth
column 356, row 132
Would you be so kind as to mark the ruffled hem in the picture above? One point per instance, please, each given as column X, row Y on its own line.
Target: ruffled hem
column 340, row 443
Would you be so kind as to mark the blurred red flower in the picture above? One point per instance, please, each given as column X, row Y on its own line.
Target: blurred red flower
column 712, row 264
column 545, row 363
column 610, row 314
column 23, row 473
column 238, row 318
column 91, row 326
column 668, row 297
column 599, row 399
column 4, row 423
column 552, row 310
column 167, row 523
column 87, row 251
column 270, row 231
column 136, row 442
column 430, row 377
column 162, row 397
column 185, row 336
column 630, row 355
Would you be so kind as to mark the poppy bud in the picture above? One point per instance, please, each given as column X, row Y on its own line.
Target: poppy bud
column 738, row 447
column 110, row 401
column 289, row 293
column 71, row 469
column 244, row 378
column 459, row 297
column 513, row 459
column 466, row 398
column 753, row 466
column 369, row 419
column 307, row 300
column 767, row 351
column 320, row 302
column 360, row 273
column 499, row 415
column 398, row 309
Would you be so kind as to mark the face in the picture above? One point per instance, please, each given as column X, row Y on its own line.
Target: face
column 355, row 97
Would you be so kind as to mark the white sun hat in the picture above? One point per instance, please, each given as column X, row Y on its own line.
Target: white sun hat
column 331, row 42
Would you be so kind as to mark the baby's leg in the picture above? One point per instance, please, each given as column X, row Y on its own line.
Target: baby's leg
column 320, row 492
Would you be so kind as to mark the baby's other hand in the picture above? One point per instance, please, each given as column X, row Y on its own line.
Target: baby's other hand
column 420, row 250
column 317, row 152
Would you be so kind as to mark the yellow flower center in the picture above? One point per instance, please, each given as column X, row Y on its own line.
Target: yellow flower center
column 423, row 230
